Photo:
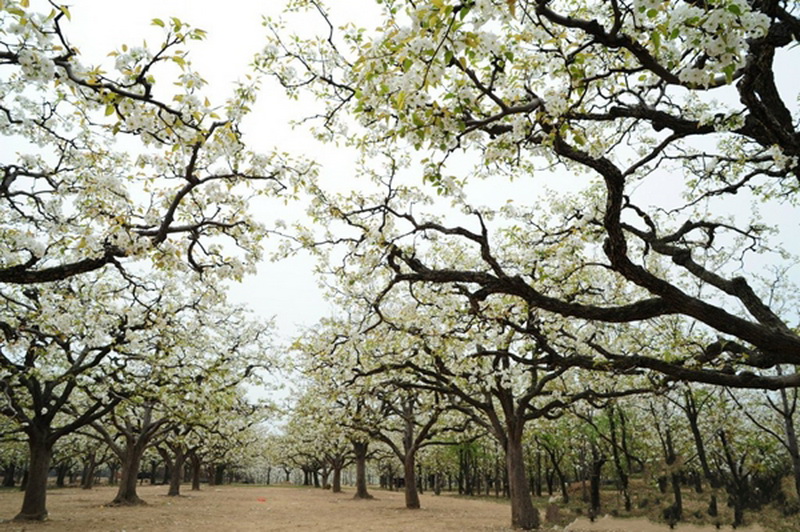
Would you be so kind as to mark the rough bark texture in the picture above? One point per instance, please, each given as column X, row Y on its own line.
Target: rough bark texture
column 196, row 468
column 336, row 487
column 87, row 479
column 176, row 472
column 411, row 493
column 131, row 462
column 34, row 503
column 360, row 451
column 523, row 514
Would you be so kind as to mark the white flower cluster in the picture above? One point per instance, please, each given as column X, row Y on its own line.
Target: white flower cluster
column 782, row 161
column 126, row 61
column 721, row 31
column 36, row 66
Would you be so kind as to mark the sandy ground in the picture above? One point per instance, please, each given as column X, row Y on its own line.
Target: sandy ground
column 237, row 508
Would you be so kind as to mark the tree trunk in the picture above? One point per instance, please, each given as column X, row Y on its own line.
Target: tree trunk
column 523, row 513
column 87, row 479
column 113, row 469
column 325, row 475
column 791, row 436
column 219, row 474
column 675, row 513
column 131, row 462
column 61, row 473
column 692, row 414
column 598, row 459
column 360, row 451
column 196, row 467
column 176, row 472
column 622, row 474
column 409, row 470
column 737, row 485
column 8, row 474
column 337, row 479
column 34, row 506
column 167, row 471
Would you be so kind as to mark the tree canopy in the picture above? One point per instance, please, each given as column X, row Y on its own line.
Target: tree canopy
column 670, row 120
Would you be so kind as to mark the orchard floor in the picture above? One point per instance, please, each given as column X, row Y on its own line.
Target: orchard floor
column 253, row 508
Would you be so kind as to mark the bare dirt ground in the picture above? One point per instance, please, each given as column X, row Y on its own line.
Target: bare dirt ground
column 252, row 508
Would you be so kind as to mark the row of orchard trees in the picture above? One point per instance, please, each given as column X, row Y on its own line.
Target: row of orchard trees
column 123, row 211
column 505, row 422
column 131, row 376
column 616, row 246
column 225, row 448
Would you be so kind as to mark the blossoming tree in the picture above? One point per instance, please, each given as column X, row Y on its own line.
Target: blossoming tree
column 672, row 118
column 103, row 167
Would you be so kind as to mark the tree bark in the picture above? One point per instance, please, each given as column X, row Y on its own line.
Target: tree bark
column 692, row 414
column 131, row 463
column 219, row 474
column 336, row 487
column 523, row 514
column 34, row 507
column 409, row 470
column 598, row 460
column 791, row 436
column 196, row 468
column 622, row 474
column 61, row 473
column 113, row 469
column 360, row 451
column 87, row 479
column 9, row 471
column 677, row 508
column 176, row 471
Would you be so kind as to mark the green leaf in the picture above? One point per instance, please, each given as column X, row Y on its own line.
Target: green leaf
column 109, row 109
column 656, row 38
column 157, row 22
column 729, row 71
column 735, row 9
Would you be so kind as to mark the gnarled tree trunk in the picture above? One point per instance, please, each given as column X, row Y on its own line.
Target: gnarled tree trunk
column 176, row 470
column 34, row 503
column 87, row 478
column 131, row 463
